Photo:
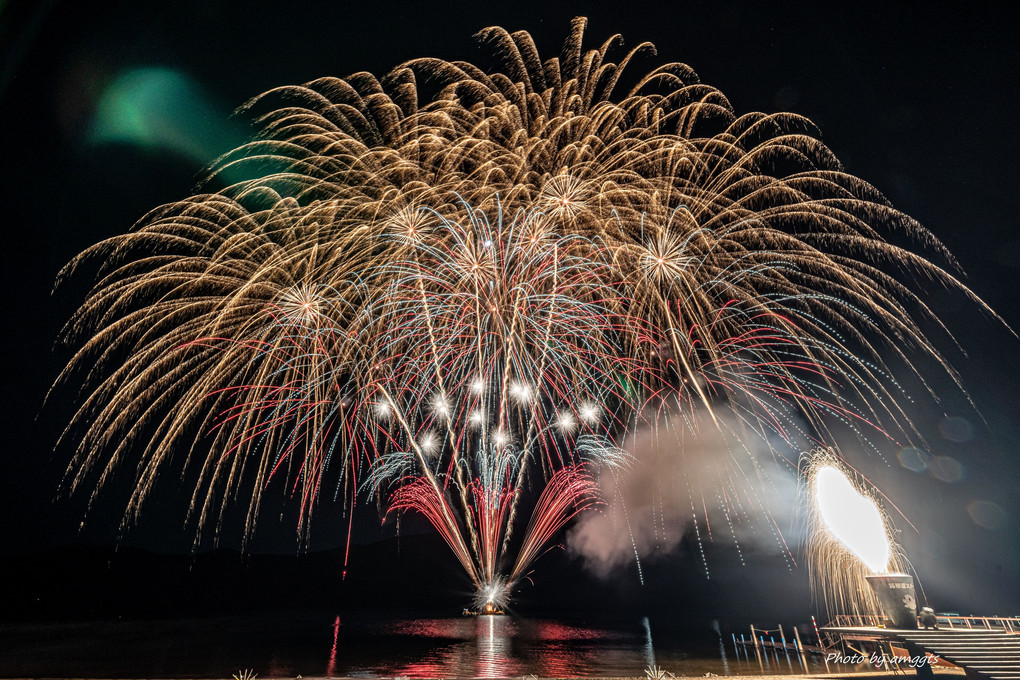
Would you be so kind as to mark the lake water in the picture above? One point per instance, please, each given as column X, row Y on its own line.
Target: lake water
column 363, row 644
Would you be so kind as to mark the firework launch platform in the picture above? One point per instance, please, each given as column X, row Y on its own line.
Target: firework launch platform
column 985, row 653
column 489, row 609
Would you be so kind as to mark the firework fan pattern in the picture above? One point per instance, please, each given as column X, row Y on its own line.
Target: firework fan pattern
column 451, row 289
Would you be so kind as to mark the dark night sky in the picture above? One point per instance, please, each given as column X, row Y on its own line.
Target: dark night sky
column 916, row 101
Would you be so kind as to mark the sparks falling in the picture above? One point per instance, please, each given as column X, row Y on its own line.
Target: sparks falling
column 453, row 299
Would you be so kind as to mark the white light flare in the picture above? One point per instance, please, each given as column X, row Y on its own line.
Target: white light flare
column 441, row 406
column 429, row 444
column 565, row 421
column 853, row 519
column 521, row 393
column 382, row 410
column 589, row 413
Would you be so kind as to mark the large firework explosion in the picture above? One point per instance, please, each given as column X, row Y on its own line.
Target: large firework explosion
column 451, row 289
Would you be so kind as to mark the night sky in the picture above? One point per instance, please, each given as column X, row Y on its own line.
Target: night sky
column 920, row 102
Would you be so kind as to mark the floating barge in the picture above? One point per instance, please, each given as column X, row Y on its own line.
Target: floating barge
column 490, row 609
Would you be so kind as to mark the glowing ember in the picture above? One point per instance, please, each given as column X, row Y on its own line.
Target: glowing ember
column 852, row 518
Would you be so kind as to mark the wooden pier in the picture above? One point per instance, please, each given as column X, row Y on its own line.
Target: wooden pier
column 986, row 647
column 766, row 639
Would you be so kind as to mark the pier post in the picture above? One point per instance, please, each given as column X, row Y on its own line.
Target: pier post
column 820, row 645
column 924, row 670
column 800, row 647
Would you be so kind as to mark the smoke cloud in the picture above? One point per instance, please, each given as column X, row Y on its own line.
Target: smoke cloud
column 714, row 480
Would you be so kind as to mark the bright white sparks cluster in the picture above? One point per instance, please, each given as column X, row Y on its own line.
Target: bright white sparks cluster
column 849, row 537
column 852, row 518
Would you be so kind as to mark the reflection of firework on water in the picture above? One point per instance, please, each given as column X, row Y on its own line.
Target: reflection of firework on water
column 452, row 296
column 850, row 537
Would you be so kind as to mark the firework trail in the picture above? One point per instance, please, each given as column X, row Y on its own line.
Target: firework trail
column 452, row 295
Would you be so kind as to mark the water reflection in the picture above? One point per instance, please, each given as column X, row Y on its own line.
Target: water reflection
column 331, row 668
column 722, row 647
column 478, row 646
column 505, row 646
column 494, row 647
column 649, row 648
column 369, row 645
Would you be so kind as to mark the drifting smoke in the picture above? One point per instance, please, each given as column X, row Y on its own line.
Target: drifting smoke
column 709, row 481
